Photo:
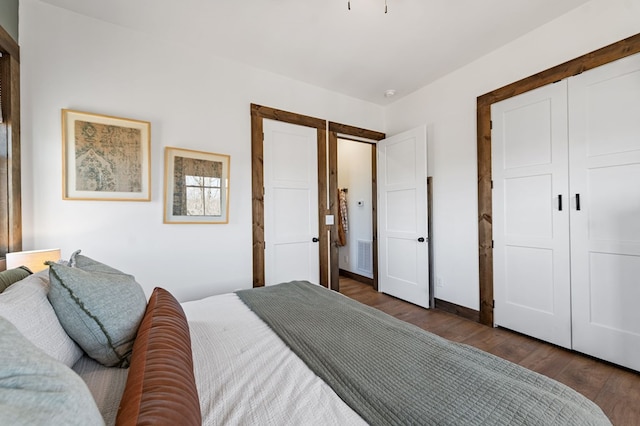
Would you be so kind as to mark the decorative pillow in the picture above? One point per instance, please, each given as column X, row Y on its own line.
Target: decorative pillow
column 11, row 276
column 161, row 387
column 99, row 307
column 25, row 305
column 38, row 390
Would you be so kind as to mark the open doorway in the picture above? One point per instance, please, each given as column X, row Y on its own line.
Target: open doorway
column 358, row 136
column 355, row 210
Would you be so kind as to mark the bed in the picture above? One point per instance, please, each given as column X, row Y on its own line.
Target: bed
column 289, row 354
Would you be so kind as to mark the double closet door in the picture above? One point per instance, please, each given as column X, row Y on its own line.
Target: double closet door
column 566, row 212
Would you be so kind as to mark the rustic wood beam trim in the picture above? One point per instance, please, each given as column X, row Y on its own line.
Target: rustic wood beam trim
column 11, row 209
column 257, row 199
column 287, row 117
column 355, row 131
column 605, row 55
column 610, row 53
column 13, row 159
column 333, row 210
column 485, row 233
column 323, row 208
column 461, row 311
column 8, row 45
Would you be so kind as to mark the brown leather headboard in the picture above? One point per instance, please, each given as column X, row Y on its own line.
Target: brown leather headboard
column 161, row 388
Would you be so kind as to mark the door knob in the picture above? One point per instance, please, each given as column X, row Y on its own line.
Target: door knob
column 421, row 240
column 315, row 240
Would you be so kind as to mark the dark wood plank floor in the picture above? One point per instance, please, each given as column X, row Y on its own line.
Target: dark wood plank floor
column 616, row 390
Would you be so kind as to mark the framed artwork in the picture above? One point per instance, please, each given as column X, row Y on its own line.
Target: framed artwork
column 196, row 186
column 105, row 158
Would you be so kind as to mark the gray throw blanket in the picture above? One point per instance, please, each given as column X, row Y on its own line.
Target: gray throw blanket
column 393, row 373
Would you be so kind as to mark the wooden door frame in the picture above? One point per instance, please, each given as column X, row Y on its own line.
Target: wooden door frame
column 258, row 114
column 364, row 136
column 10, row 179
column 327, row 160
column 610, row 53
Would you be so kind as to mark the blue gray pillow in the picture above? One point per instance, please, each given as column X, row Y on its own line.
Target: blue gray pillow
column 35, row 389
column 98, row 306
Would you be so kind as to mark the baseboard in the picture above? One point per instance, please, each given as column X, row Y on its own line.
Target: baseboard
column 360, row 278
column 461, row 311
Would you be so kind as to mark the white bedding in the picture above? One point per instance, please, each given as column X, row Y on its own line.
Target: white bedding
column 247, row 376
column 106, row 385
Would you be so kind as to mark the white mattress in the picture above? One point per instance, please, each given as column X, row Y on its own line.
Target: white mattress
column 247, row 376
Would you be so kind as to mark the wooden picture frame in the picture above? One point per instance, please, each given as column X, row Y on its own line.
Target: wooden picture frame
column 105, row 158
column 196, row 187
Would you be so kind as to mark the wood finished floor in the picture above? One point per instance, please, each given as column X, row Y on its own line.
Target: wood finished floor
column 616, row 390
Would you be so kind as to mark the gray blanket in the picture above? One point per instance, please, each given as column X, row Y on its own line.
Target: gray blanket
column 393, row 373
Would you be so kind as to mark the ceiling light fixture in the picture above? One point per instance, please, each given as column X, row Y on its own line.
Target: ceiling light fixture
column 389, row 93
column 385, row 5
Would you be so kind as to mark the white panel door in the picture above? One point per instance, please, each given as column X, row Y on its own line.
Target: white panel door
column 290, row 203
column 403, row 267
column 530, row 214
column 604, row 105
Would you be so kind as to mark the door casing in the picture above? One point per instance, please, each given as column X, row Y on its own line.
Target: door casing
column 327, row 188
column 610, row 53
column 10, row 168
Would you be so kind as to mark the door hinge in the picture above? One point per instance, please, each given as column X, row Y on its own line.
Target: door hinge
column 490, row 124
column 493, row 303
column 491, row 243
column 491, row 184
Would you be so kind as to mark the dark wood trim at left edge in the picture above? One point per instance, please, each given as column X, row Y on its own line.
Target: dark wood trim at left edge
column 11, row 193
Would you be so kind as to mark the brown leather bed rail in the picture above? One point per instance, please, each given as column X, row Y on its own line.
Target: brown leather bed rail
column 161, row 387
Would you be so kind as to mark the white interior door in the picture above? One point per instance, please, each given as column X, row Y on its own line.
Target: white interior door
column 531, row 214
column 403, row 266
column 605, row 228
column 290, row 203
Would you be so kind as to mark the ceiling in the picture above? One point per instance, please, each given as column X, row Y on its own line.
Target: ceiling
column 360, row 52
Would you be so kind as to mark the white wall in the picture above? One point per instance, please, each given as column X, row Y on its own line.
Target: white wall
column 9, row 17
column 198, row 102
column 354, row 173
column 448, row 107
column 192, row 101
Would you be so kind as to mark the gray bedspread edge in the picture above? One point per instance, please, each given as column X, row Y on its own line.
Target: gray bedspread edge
column 393, row 373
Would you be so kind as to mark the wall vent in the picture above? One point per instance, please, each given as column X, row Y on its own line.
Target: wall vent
column 365, row 256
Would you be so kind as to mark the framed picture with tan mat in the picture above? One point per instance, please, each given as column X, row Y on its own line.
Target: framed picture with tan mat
column 196, row 186
column 105, row 158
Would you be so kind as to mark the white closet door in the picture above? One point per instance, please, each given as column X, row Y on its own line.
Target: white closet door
column 290, row 203
column 605, row 232
column 530, row 214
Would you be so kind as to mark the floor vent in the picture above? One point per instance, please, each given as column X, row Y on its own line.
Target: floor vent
column 365, row 256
